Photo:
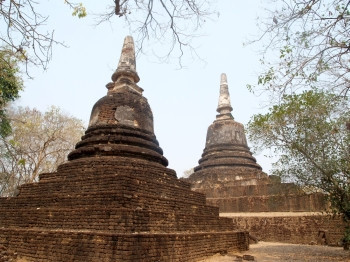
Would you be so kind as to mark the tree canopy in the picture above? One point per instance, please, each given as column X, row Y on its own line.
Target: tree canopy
column 38, row 143
column 10, row 85
column 308, row 132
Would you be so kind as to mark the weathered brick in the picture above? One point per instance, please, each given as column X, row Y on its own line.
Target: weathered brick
column 115, row 200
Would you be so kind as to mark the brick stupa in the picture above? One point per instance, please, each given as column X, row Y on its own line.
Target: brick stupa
column 232, row 179
column 114, row 199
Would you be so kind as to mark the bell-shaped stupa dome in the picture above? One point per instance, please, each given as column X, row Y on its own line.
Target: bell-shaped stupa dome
column 226, row 144
column 121, row 123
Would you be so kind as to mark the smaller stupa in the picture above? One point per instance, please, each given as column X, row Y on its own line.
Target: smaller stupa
column 226, row 159
column 230, row 176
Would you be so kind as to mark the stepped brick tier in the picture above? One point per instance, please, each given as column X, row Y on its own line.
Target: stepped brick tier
column 232, row 179
column 115, row 200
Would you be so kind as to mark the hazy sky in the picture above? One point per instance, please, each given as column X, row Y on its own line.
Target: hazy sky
column 183, row 101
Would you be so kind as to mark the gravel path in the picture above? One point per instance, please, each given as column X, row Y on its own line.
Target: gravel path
column 270, row 252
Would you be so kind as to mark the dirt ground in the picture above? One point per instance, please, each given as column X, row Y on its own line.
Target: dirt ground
column 262, row 252
column 272, row 214
column 271, row 252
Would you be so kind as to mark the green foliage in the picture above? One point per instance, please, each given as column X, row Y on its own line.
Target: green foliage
column 78, row 9
column 267, row 77
column 346, row 239
column 285, row 51
column 10, row 85
column 308, row 132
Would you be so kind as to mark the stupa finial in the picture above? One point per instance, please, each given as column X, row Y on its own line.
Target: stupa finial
column 224, row 106
column 127, row 62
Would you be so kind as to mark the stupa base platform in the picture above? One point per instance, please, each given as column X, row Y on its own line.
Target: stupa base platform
column 37, row 244
column 271, row 203
column 114, row 199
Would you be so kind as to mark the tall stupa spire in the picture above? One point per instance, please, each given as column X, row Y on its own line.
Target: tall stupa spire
column 127, row 61
column 126, row 72
column 224, row 107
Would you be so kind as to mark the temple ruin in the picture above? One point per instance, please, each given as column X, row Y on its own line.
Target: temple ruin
column 232, row 180
column 114, row 199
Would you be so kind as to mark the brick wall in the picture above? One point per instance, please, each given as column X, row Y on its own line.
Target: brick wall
column 40, row 245
column 307, row 229
column 271, row 203
column 114, row 209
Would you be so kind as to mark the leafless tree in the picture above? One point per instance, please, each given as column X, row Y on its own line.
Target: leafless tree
column 39, row 142
column 22, row 32
column 172, row 23
column 305, row 44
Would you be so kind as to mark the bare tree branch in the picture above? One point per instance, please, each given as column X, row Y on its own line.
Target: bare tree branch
column 23, row 32
column 313, row 39
column 173, row 23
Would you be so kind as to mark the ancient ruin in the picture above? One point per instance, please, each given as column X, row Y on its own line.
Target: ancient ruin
column 232, row 180
column 115, row 200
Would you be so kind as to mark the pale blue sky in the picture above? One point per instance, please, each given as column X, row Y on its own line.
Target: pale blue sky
column 183, row 101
